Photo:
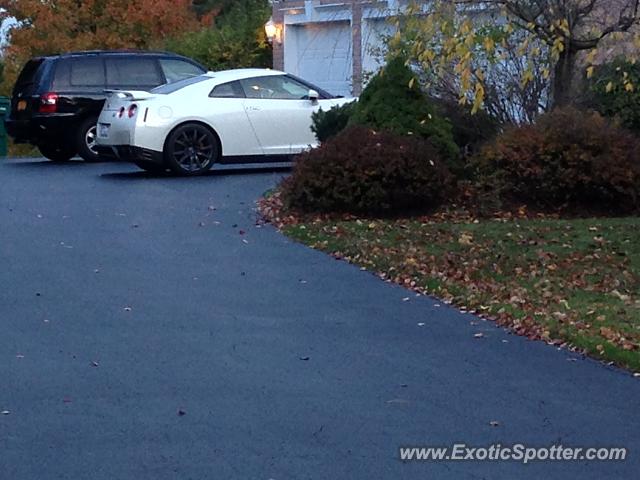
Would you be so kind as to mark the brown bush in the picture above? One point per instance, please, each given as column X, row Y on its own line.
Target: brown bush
column 365, row 171
column 569, row 159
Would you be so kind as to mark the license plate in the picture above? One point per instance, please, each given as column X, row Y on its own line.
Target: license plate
column 103, row 130
column 22, row 105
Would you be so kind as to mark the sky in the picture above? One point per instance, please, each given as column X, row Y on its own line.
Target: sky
column 6, row 24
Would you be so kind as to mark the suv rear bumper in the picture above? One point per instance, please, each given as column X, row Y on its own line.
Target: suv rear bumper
column 129, row 153
column 42, row 128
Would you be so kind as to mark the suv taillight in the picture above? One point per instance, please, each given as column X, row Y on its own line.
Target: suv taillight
column 48, row 103
column 132, row 110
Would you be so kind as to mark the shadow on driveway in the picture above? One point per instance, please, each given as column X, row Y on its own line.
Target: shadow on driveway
column 124, row 176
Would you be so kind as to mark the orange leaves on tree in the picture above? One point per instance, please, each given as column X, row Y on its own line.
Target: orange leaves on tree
column 53, row 26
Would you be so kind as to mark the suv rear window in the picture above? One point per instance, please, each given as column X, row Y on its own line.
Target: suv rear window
column 133, row 72
column 29, row 77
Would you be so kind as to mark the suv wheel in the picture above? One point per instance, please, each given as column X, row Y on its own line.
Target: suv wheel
column 86, row 140
column 57, row 153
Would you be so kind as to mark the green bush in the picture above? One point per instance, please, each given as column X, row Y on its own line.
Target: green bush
column 392, row 101
column 570, row 159
column 608, row 93
column 329, row 123
column 365, row 171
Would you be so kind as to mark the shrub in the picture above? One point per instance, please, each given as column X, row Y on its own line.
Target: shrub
column 470, row 131
column 614, row 92
column 365, row 171
column 392, row 101
column 329, row 123
column 568, row 159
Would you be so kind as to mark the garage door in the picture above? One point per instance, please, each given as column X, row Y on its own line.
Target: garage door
column 321, row 54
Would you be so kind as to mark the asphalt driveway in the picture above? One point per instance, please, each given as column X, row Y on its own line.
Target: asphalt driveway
column 149, row 329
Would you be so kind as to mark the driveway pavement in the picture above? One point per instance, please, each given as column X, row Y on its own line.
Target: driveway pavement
column 150, row 330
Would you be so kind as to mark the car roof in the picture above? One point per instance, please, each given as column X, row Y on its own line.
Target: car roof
column 241, row 73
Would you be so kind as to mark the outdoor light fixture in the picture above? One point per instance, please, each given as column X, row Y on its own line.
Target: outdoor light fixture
column 273, row 31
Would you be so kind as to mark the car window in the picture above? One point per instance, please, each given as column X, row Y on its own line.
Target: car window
column 133, row 71
column 175, row 69
column 29, row 77
column 79, row 72
column 228, row 90
column 278, row 87
column 179, row 85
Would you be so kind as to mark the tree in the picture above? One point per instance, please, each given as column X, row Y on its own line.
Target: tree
column 467, row 40
column 236, row 39
column 46, row 27
column 569, row 27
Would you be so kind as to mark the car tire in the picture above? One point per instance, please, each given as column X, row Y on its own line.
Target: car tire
column 57, row 153
column 86, row 140
column 150, row 166
column 191, row 149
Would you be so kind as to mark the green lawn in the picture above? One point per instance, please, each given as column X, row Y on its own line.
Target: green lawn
column 573, row 282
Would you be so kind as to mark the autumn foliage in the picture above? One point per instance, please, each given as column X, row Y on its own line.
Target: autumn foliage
column 570, row 159
column 361, row 170
column 72, row 25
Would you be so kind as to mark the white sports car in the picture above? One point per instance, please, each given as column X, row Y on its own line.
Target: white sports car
column 231, row 116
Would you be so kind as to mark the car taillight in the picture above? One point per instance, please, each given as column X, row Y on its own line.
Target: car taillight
column 48, row 103
column 132, row 110
column 121, row 112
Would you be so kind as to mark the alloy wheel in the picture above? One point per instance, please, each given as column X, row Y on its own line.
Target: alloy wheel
column 193, row 149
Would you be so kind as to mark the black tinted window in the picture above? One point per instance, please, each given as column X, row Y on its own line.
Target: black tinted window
column 228, row 90
column 133, row 72
column 79, row 73
column 29, row 77
column 86, row 72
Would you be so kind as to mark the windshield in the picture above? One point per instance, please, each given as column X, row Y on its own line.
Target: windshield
column 179, row 85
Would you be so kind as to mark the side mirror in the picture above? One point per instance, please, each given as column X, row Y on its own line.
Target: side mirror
column 313, row 95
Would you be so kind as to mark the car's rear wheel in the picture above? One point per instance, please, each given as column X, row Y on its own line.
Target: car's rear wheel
column 86, row 140
column 57, row 153
column 191, row 149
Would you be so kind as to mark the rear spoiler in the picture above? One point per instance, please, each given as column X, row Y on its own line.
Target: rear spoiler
column 132, row 95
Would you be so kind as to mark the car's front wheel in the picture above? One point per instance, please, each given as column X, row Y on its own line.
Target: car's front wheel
column 191, row 149
column 56, row 152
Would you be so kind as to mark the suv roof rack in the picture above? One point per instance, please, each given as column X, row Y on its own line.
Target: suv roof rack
column 111, row 52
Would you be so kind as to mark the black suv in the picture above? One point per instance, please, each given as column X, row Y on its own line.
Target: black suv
column 57, row 99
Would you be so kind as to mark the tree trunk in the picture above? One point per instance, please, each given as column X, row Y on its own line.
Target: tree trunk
column 563, row 76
